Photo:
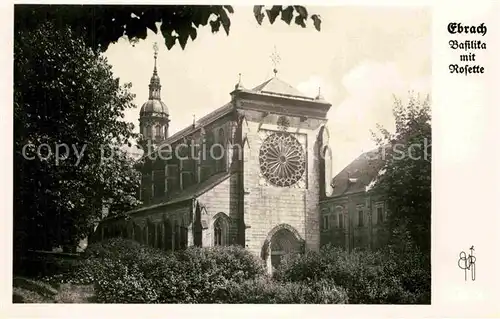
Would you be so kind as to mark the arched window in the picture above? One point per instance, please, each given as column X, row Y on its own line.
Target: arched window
column 221, row 227
column 184, row 233
column 221, row 151
column 218, row 233
column 168, row 235
column 130, row 230
column 159, row 234
column 177, row 236
column 158, row 131
column 145, row 235
column 138, row 233
column 340, row 217
column 149, row 131
column 151, row 234
column 211, row 152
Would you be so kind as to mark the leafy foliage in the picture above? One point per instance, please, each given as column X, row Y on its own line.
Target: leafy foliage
column 268, row 291
column 65, row 93
column 126, row 272
column 369, row 277
column 100, row 25
column 406, row 182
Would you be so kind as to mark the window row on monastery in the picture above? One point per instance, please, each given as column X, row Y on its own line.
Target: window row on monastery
column 339, row 218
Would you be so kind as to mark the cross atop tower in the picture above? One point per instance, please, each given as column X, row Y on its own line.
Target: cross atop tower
column 155, row 48
column 275, row 59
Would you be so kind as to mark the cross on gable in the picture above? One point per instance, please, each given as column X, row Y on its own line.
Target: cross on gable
column 275, row 59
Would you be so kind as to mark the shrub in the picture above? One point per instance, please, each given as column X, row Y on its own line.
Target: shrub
column 125, row 285
column 233, row 263
column 368, row 276
column 127, row 272
column 267, row 291
column 201, row 275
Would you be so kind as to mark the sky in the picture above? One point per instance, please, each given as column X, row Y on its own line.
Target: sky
column 361, row 59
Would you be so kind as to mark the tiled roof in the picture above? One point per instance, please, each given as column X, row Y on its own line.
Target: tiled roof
column 359, row 174
column 200, row 188
column 188, row 193
column 276, row 86
column 207, row 119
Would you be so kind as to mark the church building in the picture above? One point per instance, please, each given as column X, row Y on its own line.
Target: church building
column 253, row 172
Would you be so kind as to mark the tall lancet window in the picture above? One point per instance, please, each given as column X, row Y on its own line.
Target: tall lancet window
column 221, row 151
column 221, row 227
column 218, row 233
column 327, row 157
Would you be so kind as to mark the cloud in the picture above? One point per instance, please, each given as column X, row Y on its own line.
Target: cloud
column 313, row 84
column 369, row 90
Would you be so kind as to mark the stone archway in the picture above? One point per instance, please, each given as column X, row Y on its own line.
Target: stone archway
column 281, row 240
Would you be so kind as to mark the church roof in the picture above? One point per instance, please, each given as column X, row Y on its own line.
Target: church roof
column 276, row 86
column 189, row 193
column 359, row 175
column 199, row 189
column 207, row 119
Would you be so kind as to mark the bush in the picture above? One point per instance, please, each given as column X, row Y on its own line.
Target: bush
column 201, row 275
column 125, row 285
column 267, row 291
column 233, row 263
column 369, row 277
column 126, row 272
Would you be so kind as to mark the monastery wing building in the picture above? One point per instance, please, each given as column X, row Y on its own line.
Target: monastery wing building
column 250, row 173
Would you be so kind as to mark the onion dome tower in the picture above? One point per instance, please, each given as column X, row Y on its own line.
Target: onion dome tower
column 154, row 116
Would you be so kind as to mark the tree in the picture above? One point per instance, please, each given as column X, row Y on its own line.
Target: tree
column 68, row 112
column 100, row 25
column 406, row 180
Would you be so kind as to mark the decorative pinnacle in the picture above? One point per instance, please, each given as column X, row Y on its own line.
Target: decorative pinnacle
column 275, row 59
column 155, row 48
column 319, row 96
column 239, row 85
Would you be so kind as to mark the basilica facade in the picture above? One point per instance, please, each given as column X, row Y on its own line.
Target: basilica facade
column 255, row 172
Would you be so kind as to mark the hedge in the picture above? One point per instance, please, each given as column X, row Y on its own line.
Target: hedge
column 369, row 277
column 124, row 271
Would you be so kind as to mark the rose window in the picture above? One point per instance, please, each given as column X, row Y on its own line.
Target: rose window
column 282, row 159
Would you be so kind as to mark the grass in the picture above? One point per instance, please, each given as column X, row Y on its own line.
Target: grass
column 69, row 293
column 34, row 291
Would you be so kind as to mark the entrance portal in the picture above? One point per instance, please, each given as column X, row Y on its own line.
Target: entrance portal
column 282, row 242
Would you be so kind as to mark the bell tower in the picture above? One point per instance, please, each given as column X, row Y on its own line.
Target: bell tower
column 154, row 116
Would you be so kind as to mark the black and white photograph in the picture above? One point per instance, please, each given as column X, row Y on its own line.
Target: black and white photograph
column 222, row 154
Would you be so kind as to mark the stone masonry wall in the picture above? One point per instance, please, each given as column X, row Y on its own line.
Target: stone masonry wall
column 268, row 206
column 217, row 200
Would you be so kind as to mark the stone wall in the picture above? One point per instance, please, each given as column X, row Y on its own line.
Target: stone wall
column 351, row 234
column 267, row 206
column 219, row 199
